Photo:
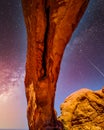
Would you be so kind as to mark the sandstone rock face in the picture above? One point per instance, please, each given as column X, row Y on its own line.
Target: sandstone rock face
column 83, row 110
column 49, row 24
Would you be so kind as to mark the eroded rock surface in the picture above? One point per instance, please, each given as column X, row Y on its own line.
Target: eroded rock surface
column 83, row 110
column 49, row 24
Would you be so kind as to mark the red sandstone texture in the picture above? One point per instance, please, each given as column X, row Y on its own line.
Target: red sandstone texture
column 49, row 24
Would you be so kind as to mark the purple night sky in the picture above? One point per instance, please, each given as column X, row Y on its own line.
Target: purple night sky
column 82, row 65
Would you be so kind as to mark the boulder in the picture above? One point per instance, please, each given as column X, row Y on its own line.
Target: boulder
column 83, row 110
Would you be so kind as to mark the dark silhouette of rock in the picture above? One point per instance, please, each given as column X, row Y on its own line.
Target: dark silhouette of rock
column 83, row 110
column 49, row 24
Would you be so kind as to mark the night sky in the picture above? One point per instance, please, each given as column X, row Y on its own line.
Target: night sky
column 82, row 65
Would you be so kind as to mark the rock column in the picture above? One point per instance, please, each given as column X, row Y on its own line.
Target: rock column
column 49, row 24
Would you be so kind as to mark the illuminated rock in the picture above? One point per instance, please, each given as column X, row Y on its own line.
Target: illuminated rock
column 49, row 24
column 83, row 110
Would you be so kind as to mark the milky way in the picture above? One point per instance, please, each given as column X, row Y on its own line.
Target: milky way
column 87, row 44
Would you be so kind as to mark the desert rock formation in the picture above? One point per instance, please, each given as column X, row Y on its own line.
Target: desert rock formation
column 49, row 24
column 83, row 110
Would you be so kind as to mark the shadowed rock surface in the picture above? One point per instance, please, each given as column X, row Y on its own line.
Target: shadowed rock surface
column 83, row 110
column 49, row 24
